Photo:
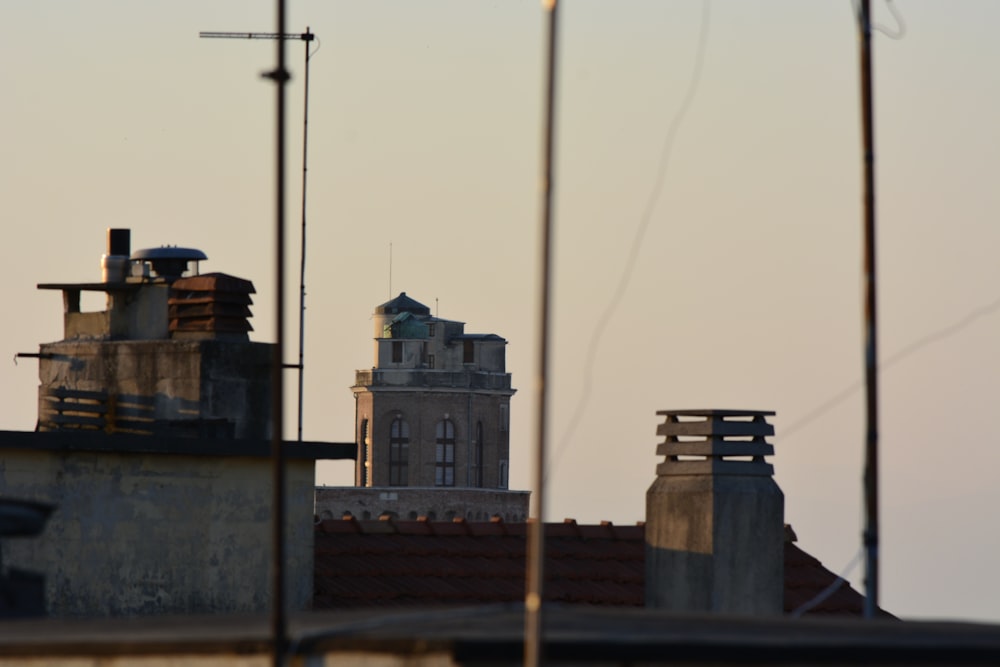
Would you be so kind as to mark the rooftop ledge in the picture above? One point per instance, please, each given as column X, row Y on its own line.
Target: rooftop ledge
column 94, row 287
column 118, row 443
column 495, row 634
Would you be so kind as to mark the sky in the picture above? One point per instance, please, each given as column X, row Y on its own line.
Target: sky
column 424, row 146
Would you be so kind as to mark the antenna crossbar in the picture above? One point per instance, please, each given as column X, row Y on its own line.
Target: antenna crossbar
column 304, row 36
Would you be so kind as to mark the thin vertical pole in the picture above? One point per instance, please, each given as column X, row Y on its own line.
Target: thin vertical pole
column 302, row 264
column 535, row 576
column 278, row 620
column 871, row 533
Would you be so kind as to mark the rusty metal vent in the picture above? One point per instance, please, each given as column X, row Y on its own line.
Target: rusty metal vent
column 213, row 305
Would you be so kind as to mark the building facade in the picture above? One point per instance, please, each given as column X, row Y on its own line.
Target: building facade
column 152, row 452
column 170, row 355
column 434, row 411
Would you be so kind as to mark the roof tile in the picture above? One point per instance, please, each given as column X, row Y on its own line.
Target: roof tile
column 400, row 563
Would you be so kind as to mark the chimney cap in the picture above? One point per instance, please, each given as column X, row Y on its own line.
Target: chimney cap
column 169, row 252
column 716, row 413
column 715, row 442
column 169, row 262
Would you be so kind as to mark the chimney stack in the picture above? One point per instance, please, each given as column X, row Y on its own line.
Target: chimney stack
column 715, row 516
column 115, row 262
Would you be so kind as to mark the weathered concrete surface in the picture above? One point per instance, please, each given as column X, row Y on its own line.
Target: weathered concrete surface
column 494, row 635
column 715, row 543
column 143, row 533
column 167, row 380
column 714, row 516
column 409, row 503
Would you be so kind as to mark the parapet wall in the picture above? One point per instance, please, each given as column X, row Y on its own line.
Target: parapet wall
column 410, row 503
column 152, row 532
column 159, row 387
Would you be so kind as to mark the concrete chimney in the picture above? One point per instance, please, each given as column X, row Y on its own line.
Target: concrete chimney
column 715, row 516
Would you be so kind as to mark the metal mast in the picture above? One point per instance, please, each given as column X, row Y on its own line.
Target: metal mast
column 306, row 37
column 535, row 576
column 871, row 532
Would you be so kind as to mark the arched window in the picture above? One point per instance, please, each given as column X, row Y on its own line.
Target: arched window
column 477, row 471
column 399, row 452
column 364, row 454
column 444, row 455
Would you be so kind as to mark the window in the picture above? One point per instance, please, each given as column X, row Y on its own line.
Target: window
column 444, row 454
column 468, row 352
column 399, row 452
column 477, row 462
column 430, row 361
column 397, row 351
column 503, row 475
column 504, row 417
column 363, row 454
column 430, row 330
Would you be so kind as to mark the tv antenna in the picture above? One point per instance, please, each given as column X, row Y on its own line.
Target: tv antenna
column 306, row 37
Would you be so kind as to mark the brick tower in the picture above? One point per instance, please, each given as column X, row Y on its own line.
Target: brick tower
column 435, row 409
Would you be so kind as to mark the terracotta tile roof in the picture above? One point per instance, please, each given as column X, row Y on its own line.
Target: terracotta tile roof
column 426, row 563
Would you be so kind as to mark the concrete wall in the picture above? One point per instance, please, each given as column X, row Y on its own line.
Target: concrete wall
column 714, row 543
column 409, row 503
column 493, row 636
column 138, row 313
column 168, row 381
column 491, row 355
column 151, row 533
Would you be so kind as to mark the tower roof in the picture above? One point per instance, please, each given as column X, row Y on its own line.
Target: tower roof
column 402, row 304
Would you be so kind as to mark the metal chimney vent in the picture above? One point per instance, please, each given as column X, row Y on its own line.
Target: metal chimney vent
column 169, row 262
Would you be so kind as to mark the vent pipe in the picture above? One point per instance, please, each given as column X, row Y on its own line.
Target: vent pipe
column 115, row 263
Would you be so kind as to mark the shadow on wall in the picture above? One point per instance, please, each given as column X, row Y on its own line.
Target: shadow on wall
column 413, row 515
column 64, row 409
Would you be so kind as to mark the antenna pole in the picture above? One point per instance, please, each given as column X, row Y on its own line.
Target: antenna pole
column 306, row 37
column 535, row 578
column 871, row 533
column 390, row 270
column 279, row 620
column 302, row 266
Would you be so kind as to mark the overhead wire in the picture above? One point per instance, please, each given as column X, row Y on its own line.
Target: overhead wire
column 935, row 336
column 644, row 221
column 834, row 586
column 629, row 268
column 896, row 34
column 900, row 30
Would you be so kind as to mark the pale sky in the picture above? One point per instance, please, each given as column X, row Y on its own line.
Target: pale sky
column 425, row 134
